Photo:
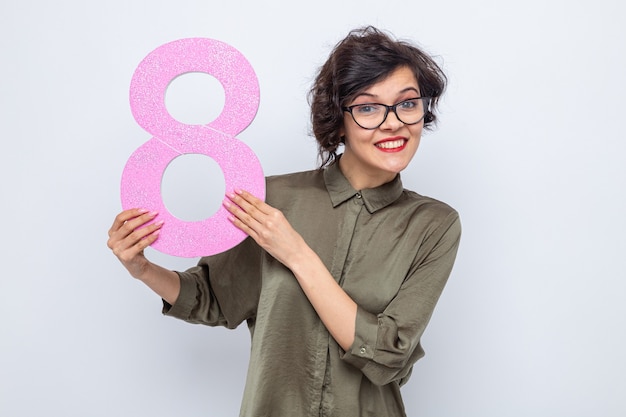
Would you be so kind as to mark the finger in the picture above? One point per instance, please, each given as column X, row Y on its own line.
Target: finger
column 247, row 196
column 124, row 216
column 128, row 222
column 241, row 225
column 129, row 255
column 242, row 195
column 134, row 223
column 139, row 238
column 242, row 211
column 148, row 236
column 143, row 232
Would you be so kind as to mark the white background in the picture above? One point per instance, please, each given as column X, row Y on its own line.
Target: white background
column 530, row 150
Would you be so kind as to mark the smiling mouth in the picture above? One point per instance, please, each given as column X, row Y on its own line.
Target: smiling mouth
column 391, row 145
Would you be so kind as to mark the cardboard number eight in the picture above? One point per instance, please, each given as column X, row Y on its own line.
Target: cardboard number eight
column 141, row 178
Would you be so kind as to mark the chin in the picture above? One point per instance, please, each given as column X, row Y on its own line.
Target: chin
column 397, row 167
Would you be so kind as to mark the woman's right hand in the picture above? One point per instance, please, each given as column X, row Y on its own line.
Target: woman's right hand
column 129, row 236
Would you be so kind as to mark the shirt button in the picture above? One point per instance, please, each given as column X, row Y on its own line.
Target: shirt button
column 363, row 350
column 358, row 195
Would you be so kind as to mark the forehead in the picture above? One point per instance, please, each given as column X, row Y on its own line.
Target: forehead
column 398, row 82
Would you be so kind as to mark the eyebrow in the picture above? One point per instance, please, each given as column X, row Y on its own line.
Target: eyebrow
column 400, row 92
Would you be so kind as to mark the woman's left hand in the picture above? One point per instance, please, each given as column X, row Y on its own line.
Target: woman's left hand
column 271, row 230
column 265, row 224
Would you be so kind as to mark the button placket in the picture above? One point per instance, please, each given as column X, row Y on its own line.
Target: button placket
column 358, row 199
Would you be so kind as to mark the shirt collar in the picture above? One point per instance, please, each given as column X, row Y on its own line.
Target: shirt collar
column 340, row 190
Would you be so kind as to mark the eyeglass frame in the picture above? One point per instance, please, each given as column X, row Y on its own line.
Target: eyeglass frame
column 387, row 108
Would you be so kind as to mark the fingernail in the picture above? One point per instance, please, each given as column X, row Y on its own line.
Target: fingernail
column 226, row 203
column 238, row 191
column 142, row 211
column 230, row 195
column 153, row 213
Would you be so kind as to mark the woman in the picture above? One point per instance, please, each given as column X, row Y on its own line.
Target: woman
column 343, row 266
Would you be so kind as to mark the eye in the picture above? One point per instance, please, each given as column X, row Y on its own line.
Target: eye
column 365, row 109
column 408, row 104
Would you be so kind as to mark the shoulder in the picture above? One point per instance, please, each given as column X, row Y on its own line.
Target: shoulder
column 425, row 203
column 295, row 181
column 429, row 211
column 294, row 185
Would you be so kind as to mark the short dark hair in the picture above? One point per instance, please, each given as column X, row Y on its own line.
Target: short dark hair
column 364, row 57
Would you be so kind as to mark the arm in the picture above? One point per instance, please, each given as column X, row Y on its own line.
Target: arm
column 128, row 237
column 383, row 346
column 269, row 228
column 388, row 344
column 333, row 305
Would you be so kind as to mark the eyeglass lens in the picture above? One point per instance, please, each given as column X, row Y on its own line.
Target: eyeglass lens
column 371, row 116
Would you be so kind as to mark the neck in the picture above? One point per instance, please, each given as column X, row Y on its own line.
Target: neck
column 360, row 180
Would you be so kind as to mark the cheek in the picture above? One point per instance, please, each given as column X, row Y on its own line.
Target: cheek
column 416, row 130
column 417, row 136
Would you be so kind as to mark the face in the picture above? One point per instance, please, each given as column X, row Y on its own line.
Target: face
column 374, row 157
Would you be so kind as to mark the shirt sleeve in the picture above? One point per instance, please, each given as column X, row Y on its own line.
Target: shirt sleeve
column 387, row 345
column 222, row 290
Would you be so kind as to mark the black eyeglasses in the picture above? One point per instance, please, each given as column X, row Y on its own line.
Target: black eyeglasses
column 371, row 115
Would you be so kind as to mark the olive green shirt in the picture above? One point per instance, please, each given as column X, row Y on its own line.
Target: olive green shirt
column 390, row 249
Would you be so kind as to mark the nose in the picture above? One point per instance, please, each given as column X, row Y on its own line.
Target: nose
column 392, row 121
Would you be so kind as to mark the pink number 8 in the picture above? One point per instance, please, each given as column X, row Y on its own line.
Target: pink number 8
column 141, row 179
